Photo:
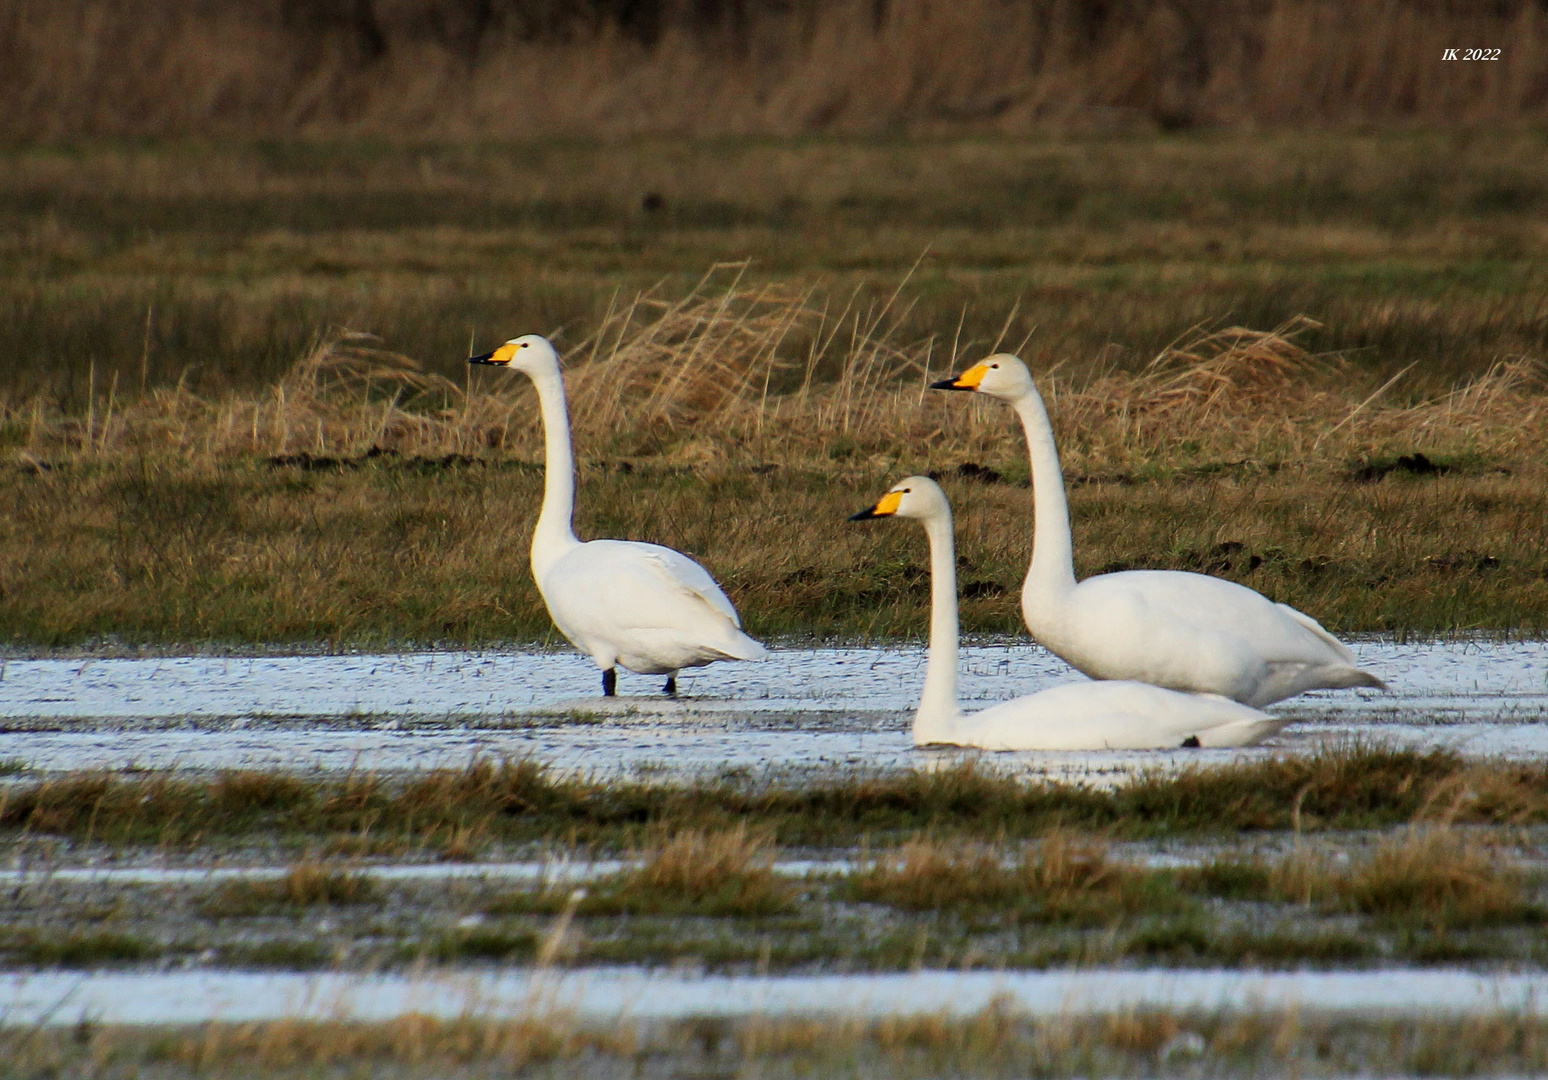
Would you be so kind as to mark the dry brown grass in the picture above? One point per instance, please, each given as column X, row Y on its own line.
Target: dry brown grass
column 412, row 1039
column 1437, row 875
column 1059, row 877
column 1424, row 875
column 131, row 66
column 725, row 873
column 735, row 373
column 994, row 1042
column 696, row 864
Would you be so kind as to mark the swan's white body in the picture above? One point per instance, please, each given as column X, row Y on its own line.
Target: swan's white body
column 1077, row 716
column 644, row 606
column 1168, row 628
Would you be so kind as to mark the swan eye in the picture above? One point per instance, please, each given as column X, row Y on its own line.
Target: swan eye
column 995, row 366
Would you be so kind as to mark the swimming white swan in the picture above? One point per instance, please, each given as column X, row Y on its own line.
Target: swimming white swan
column 647, row 607
column 1077, row 716
column 1166, row 627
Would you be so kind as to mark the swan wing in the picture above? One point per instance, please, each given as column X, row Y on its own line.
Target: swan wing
column 628, row 584
column 1116, row 715
column 646, row 606
column 678, row 571
column 1198, row 633
column 1196, row 606
column 1344, row 652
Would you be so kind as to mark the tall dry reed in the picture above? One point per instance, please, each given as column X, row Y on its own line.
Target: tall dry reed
column 732, row 372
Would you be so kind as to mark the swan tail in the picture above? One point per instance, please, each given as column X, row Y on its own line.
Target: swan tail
column 738, row 646
column 1347, row 678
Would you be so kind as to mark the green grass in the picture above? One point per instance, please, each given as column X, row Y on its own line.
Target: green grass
column 76, row 949
column 282, row 954
column 391, row 555
column 520, row 946
column 1402, row 244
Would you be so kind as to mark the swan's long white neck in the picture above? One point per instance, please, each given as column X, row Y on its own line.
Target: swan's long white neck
column 554, row 535
column 1052, row 573
column 938, row 710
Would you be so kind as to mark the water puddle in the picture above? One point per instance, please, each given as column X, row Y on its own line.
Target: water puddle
column 802, row 708
column 622, row 993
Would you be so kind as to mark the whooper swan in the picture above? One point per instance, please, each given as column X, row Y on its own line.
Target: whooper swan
column 647, row 607
column 1170, row 628
column 1078, row 716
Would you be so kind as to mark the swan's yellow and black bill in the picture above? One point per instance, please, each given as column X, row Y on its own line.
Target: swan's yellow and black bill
column 968, row 380
column 885, row 508
column 499, row 358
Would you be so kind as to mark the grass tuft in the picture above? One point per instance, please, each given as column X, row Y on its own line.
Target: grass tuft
column 1437, row 876
column 1060, row 877
column 1425, row 874
column 725, row 873
column 305, row 884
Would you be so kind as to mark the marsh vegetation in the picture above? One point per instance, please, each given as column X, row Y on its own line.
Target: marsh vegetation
column 1354, row 786
column 1313, row 365
column 1357, row 856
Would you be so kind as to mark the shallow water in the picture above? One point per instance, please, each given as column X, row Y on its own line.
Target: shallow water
column 613, row 993
column 802, row 708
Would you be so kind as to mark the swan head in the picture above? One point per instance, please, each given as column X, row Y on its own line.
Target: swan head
column 1001, row 375
column 528, row 353
column 916, row 497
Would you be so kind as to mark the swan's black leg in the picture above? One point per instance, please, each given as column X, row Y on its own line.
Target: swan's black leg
column 670, row 689
column 610, row 682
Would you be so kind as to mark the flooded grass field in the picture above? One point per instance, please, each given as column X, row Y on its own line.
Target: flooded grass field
column 238, row 852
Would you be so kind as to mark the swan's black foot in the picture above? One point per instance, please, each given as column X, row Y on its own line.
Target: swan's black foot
column 670, row 689
column 610, row 682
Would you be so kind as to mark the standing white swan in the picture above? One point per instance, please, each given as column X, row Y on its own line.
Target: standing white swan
column 647, row 607
column 1166, row 627
column 1075, row 716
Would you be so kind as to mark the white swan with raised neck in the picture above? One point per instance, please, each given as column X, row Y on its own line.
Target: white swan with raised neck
column 1170, row 628
column 622, row 602
column 1115, row 715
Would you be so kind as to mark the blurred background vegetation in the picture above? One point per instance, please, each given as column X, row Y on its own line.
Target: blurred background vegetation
column 525, row 68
